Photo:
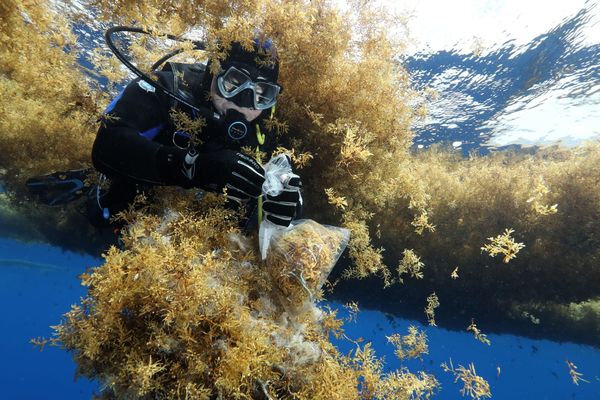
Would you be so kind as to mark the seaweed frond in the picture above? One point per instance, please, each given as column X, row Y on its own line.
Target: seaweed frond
column 353, row 311
column 410, row 264
column 337, row 201
column 192, row 126
column 478, row 334
column 300, row 160
column 576, row 376
column 503, row 244
column 474, row 386
column 454, row 274
column 412, row 345
column 537, row 199
column 432, row 303
column 421, row 223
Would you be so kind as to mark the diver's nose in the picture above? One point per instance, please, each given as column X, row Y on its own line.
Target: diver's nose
column 245, row 99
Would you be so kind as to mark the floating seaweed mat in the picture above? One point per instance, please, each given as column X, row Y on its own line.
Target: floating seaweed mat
column 183, row 312
column 301, row 257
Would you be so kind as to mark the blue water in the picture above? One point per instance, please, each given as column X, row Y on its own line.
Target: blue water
column 529, row 369
column 35, row 293
column 31, row 300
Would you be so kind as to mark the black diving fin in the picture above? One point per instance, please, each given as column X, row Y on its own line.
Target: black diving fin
column 60, row 188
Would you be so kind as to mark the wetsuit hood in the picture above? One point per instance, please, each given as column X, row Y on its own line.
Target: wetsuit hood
column 261, row 61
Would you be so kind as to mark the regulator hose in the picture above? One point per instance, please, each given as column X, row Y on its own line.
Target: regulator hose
column 198, row 45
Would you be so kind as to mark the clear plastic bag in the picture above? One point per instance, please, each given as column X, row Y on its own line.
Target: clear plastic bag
column 301, row 257
column 278, row 172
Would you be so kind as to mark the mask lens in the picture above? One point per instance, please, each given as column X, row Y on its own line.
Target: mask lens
column 266, row 93
column 233, row 80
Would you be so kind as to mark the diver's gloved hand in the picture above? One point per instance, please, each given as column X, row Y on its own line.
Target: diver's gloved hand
column 282, row 209
column 240, row 174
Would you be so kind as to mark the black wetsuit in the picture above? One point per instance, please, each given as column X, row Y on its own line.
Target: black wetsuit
column 136, row 143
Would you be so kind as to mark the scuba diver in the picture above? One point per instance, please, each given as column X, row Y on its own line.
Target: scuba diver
column 138, row 145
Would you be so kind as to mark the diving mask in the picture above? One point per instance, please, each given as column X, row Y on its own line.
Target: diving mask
column 234, row 81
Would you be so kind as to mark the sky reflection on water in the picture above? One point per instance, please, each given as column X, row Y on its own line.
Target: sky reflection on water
column 532, row 81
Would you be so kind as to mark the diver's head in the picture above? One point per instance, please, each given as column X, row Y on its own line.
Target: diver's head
column 247, row 81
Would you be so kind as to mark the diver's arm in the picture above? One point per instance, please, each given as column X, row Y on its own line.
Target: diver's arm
column 124, row 148
column 121, row 155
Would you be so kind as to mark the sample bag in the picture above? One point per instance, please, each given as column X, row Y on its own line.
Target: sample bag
column 300, row 257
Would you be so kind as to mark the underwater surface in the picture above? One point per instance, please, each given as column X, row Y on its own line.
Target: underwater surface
column 532, row 79
column 507, row 72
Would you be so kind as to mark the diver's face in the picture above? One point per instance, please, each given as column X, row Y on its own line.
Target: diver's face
column 222, row 104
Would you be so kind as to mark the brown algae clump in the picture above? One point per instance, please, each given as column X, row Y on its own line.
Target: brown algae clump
column 187, row 310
